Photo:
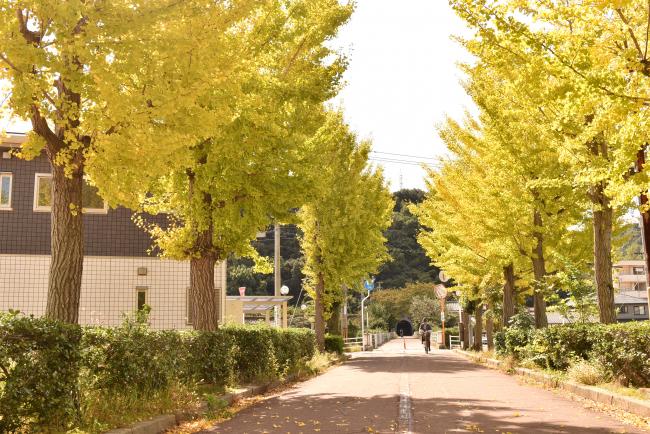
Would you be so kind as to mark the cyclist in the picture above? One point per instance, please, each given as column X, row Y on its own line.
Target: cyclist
column 425, row 332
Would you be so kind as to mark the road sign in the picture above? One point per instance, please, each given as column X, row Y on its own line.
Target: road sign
column 441, row 291
column 442, row 276
column 369, row 285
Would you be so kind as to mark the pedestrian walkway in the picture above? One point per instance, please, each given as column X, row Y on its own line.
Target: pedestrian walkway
column 392, row 390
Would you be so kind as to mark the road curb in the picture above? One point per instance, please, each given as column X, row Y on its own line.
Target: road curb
column 160, row 424
column 629, row 404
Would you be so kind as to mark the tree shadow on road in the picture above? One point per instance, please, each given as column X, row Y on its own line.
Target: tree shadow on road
column 434, row 362
column 328, row 414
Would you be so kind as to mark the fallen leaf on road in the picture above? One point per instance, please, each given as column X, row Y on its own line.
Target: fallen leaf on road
column 473, row 427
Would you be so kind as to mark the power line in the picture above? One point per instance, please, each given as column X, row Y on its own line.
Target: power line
column 405, row 162
column 403, row 155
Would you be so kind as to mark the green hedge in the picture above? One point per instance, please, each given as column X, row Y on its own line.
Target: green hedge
column 557, row 347
column 292, row 346
column 255, row 357
column 334, row 344
column 622, row 349
column 39, row 367
column 47, row 368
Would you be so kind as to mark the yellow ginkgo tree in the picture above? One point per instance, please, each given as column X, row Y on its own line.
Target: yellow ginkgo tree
column 256, row 166
column 109, row 85
column 343, row 224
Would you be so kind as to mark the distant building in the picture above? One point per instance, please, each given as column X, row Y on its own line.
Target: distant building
column 632, row 297
column 631, row 306
column 629, row 275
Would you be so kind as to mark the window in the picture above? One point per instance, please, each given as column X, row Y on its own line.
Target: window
column 90, row 198
column 5, row 190
column 141, row 292
column 639, row 310
column 638, row 271
column 623, row 308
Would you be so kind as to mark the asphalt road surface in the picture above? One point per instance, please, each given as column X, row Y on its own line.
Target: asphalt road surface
column 396, row 390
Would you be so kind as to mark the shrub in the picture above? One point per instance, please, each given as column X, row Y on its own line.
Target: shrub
column 210, row 357
column 624, row 351
column 449, row 332
column 334, row 344
column 255, row 357
column 293, row 347
column 557, row 347
column 39, row 365
column 55, row 377
column 131, row 357
column 517, row 335
column 621, row 350
column 500, row 342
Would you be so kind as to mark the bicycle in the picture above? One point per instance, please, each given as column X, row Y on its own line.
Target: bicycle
column 427, row 341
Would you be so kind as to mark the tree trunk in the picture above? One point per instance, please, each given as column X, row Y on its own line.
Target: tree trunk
column 645, row 223
column 67, row 245
column 345, row 312
column 478, row 330
column 464, row 330
column 203, row 258
column 489, row 328
column 319, row 314
column 539, row 270
column 603, row 220
column 334, row 323
column 508, row 294
column 203, row 294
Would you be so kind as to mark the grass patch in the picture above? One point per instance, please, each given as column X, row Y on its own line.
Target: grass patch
column 587, row 372
column 102, row 411
column 632, row 392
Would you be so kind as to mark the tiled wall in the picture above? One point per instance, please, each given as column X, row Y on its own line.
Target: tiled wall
column 109, row 287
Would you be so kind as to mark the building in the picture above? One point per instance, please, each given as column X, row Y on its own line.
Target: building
column 632, row 297
column 119, row 273
column 629, row 275
column 631, row 306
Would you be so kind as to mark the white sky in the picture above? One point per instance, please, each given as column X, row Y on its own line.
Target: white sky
column 402, row 79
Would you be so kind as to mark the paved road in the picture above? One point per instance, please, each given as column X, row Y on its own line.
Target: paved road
column 391, row 390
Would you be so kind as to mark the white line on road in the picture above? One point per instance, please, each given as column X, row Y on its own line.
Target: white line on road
column 405, row 411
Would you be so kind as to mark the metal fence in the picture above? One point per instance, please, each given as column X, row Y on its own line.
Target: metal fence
column 369, row 342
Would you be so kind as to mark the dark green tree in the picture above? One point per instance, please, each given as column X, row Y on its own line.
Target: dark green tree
column 410, row 263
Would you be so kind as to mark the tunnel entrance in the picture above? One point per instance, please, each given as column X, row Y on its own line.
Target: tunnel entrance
column 404, row 328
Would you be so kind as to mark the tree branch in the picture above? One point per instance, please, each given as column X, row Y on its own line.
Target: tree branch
column 647, row 34
column 11, row 65
column 630, row 31
column 31, row 37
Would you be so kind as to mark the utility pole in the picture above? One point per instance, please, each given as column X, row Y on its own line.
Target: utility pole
column 363, row 328
column 276, row 270
column 344, row 318
column 276, row 260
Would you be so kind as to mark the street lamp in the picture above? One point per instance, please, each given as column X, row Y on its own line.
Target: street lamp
column 284, row 290
column 369, row 285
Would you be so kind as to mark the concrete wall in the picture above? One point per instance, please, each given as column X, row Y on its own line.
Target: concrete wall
column 109, row 288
